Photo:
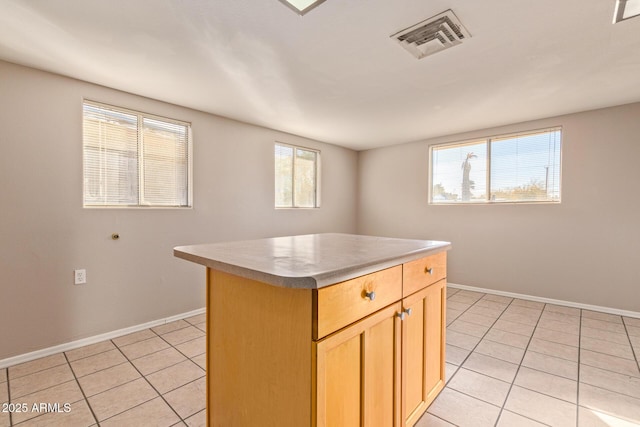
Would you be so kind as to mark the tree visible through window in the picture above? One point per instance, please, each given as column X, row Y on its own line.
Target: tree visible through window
column 513, row 168
column 296, row 177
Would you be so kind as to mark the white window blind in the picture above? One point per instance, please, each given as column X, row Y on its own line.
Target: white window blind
column 523, row 167
column 131, row 159
column 296, row 177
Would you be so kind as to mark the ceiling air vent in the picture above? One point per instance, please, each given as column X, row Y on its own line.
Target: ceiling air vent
column 433, row 35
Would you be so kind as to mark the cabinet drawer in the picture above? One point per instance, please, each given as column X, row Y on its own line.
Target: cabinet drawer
column 423, row 272
column 341, row 304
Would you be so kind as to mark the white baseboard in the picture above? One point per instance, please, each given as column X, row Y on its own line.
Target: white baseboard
column 4, row 363
column 599, row 308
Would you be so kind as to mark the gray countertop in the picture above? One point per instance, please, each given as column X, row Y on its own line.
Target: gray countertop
column 309, row 261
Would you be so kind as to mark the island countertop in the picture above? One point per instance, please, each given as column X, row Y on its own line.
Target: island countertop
column 309, row 261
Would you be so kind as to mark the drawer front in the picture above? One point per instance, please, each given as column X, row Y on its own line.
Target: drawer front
column 339, row 305
column 423, row 272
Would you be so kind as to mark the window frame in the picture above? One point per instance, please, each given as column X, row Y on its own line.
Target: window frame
column 488, row 141
column 140, row 116
column 293, row 175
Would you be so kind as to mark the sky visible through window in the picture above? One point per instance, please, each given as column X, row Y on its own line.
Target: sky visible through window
column 522, row 167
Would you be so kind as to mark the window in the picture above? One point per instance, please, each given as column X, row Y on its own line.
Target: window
column 296, row 172
column 524, row 167
column 134, row 160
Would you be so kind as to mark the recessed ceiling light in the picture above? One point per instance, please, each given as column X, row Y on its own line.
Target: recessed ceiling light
column 626, row 9
column 302, row 6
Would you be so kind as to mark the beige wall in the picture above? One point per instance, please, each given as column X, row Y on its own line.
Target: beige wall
column 46, row 234
column 585, row 250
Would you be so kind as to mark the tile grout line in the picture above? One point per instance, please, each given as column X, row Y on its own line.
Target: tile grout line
column 533, row 369
column 523, row 416
column 479, row 341
column 84, row 396
column 50, row 387
column 178, row 350
column 168, row 343
column 90, row 355
column 604, row 369
column 578, row 379
column 127, row 360
column 192, row 381
column 9, row 398
column 633, row 351
column 101, row 370
column 608, row 370
column 544, row 372
column 130, row 362
column 587, row 364
column 606, row 354
column 474, row 304
column 170, row 346
column 35, row 372
column 154, row 352
column 174, row 330
column 519, row 366
column 481, row 338
column 502, row 407
column 440, row 418
column 579, row 357
column 148, row 382
column 157, row 351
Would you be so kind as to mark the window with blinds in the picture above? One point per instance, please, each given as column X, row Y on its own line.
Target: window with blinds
column 296, row 177
column 516, row 168
column 133, row 159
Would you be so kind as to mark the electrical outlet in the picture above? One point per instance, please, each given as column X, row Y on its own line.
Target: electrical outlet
column 80, row 277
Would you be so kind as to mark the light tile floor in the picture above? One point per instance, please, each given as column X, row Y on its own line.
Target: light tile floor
column 510, row 362
column 154, row 377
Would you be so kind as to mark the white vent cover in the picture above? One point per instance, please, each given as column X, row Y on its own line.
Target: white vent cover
column 433, row 35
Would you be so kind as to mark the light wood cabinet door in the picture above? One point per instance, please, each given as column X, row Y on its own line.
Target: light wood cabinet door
column 357, row 373
column 423, row 350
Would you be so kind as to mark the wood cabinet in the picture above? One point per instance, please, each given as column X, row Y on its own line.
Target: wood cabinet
column 365, row 352
column 358, row 372
column 423, row 350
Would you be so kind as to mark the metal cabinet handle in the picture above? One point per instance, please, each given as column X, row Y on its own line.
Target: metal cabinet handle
column 428, row 270
column 405, row 312
column 371, row 295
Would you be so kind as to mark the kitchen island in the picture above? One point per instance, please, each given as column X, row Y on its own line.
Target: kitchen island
column 323, row 330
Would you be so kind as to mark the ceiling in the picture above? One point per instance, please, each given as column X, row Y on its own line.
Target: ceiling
column 334, row 74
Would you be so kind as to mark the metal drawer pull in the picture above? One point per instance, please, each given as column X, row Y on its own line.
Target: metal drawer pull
column 400, row 315
column 408, row 311
column 371, row 295
column 428, row 270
